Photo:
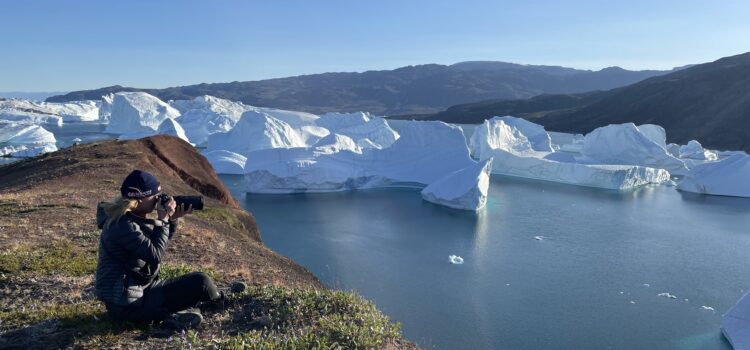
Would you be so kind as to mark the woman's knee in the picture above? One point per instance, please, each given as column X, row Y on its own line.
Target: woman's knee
column 201, row 278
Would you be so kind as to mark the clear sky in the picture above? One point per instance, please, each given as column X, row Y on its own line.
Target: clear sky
column 67, row 45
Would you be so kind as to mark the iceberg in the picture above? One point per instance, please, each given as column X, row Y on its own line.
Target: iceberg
column 625, row 144
column 366, row 131
column 21, row 140
column 735, row 324
column 514, row 155
column 75, row 111
column 257, row 131
column 455, row 259
column 30, row 118
column 655, row 133
column 464, row 189
column 727, row 177
column 173, row 128
column 138, row 113
column 694, row 150
column 105, row 108
column 226, row 162
column 425, row 152
column 206, row 115
column 537, row 137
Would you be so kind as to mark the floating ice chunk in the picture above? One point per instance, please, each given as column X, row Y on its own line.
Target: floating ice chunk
column 455, row 259
column 138, row 112
column 173, row 128
column 667, row 295
column 464, row 189
column 206, row 115
column 632, row 302
column 226, row 162
column 694, row 150
column 727, row 177
column 22, row 140
column 28, row 152
column 735, row 324
column 541, row 238
column 707, row 308
column 626, row 144
column 646, row 285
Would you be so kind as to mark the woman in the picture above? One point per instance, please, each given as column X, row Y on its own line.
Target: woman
column 132, row 247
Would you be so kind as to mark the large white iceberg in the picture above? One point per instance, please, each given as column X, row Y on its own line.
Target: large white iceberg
column 258, row 130
column 655, row 133
column 172, row 127
column 538, row 138
column 425, row 152
column 226, row 162
column 105, row 108
column 727, row 177
column 206, row 115
column 138, row 112
column 75, row 111
column 694, row 150
column 21, row 140
column 625, row 144
column 30, row 118
column 735, row 324
column 365, row 130
column 514, row 155
column 464, row 189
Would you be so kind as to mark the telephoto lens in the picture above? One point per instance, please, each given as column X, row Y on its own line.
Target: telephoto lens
column 195, row 201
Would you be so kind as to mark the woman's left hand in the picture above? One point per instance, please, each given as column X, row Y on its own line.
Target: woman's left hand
column 182, row 210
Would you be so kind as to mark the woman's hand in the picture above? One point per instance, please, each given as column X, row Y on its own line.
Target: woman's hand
column 182, row 210
column 167, row 210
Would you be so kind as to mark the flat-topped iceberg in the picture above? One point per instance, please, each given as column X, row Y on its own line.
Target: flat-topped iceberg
column 138, row 112
column 30, row 118
column 464, row 189
column 626, row 144
column 206, row 115
column 226, row 162
column 75, row 111
column 727, row 177
column 424, row 153
column 735, row 324
column 514, row 155
column 21, row 140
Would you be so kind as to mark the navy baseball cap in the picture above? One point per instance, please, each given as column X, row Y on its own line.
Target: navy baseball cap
column 140, row 184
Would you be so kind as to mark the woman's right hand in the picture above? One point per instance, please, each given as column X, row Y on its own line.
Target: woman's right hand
column 165, row 211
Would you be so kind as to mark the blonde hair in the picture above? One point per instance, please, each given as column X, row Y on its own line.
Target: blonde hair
column 117, row 208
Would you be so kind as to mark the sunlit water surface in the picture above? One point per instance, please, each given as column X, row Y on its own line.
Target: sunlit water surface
column 547, row 266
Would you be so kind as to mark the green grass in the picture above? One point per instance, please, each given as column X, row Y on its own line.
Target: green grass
column 58, row 257
column 167, row 271
column 70, row 315
column 219, row 214
column 307, row 319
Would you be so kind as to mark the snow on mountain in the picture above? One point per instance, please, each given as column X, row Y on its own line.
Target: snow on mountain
column 464, row 189
column 727, row 177
column 625, row 144
column 138, row 112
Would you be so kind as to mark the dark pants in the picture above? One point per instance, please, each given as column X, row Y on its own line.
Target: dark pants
column 162, row 298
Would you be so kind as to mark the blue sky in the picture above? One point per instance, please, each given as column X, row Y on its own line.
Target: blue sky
column 71, row 45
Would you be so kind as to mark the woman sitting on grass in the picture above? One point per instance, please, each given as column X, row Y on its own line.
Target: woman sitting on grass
column 131, row 248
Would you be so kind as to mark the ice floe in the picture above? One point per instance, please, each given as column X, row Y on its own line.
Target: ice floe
column 456, row 260
column 727, row 177
column 667, row 295
column 464, row 189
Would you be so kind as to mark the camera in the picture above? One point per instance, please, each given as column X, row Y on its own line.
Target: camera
column 195, row 201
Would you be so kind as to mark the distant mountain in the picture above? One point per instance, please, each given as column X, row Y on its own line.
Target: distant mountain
column 34, row 96
column 709, row 102
column 414, row 89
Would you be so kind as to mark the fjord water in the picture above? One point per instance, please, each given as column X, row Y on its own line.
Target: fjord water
column 547, row 266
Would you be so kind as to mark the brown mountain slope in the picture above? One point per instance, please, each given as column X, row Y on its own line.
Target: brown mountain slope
column 49, row 242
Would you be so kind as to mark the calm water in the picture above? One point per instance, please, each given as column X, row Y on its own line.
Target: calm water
column 580, row 287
